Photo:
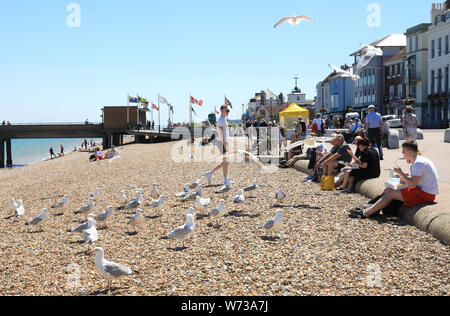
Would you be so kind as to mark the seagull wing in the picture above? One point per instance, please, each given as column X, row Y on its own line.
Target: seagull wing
column 269, row 225
column 116, row 270
column 306, row 18
column 282, row 21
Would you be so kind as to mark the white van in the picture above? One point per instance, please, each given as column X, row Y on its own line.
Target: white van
column 352, row 115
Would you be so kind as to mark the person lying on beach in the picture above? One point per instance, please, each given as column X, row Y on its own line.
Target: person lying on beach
column 98, row 155
column 113, row 152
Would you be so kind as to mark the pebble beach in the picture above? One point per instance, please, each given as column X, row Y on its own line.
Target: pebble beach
column 321, row 251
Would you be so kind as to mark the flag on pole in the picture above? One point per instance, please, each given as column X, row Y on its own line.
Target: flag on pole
column 217, row 112
column 133, row 100
column 171, row 108
column 195, row 101
column 193, row 111
column 163, row 100
column 155, row 107
column 227, row 102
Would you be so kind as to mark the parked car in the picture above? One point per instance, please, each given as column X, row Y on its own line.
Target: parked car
column 395, row 123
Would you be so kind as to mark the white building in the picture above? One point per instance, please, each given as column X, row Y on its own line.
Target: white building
column 416, row 78
column 438, row 66
column 323, row 100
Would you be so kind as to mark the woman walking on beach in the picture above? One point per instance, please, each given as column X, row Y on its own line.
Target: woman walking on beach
column 223, row 146
column 62, row 150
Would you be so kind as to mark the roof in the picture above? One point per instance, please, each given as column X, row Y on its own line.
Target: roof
column 401, row 55
column 418, row 28
column 392, row 40
column 295, row 109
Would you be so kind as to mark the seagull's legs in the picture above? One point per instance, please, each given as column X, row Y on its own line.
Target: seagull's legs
column 109, row 285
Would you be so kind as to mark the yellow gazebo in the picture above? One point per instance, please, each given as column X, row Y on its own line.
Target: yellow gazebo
column 292, row 114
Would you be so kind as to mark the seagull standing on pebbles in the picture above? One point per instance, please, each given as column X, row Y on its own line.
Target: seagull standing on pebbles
column 193, row 196
column 190, row 212
column 79, row 229
column 185, row 193
column 91, row 234
column 275, row 224
column 219, row 212
column 12, row 204
column 86, row 208
column 39, row 220
column 239, row 198
column 20, row 210
column 133, row 203
column 123, row 197
column 157, row 204
column 136, row 220
column 109, row 270
column 202, row 203
column 253, row 187
column 154, row 194
column 280, row 196
column 94, row 194
column 105, row 216
column 195, row 185
column 62, row 203
column 183, row 232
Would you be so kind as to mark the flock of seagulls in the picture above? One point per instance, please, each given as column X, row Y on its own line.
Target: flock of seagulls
column 88, row 230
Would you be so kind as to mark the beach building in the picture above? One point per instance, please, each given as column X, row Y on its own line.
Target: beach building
column 438, row 66
column 123, row 117
column 395, row 86
column 416, row 76
column 369, row 90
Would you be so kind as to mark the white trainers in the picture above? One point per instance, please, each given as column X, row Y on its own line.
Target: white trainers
column 225, row 189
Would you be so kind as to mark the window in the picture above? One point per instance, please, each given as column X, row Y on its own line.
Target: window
column 446, row 79
column 439, row 80
column 391, row 92
column 410, row 45
column 440, row 47
column 417, row 42
column 400, row 91
column 432, row 49
column 432, row 80
column 446, row 45
column 390, row 71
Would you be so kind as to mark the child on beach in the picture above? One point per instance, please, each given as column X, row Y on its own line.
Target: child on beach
column 223, row 146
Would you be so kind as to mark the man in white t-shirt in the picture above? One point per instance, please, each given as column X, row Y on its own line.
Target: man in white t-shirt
column 224, row 135
column 423, row 184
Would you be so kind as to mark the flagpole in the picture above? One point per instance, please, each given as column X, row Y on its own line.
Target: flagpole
column 128, row 111
column 159, row 114
column 191, row 123
column 152, row 114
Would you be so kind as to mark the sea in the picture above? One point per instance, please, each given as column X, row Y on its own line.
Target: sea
column 28, row 151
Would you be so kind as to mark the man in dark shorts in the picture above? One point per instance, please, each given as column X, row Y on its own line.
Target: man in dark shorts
column 339, row 153
column 52, row 153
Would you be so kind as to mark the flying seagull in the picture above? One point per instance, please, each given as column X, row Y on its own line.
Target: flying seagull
column 294, row 20
column 369, row 53
column 344, row 73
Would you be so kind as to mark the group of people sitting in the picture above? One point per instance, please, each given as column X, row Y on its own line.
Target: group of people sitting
column 364, row 164
column 98, row 154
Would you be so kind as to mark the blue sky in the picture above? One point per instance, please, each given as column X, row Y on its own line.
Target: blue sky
column 52, row 73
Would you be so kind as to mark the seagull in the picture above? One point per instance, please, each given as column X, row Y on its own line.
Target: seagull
column 136, row 220
column 94, row 194
column 253, row 187
column 344, row 73
column 191, row 212
column 20, row 210
column 41, row 219
column 185, row 193
column 280, row 196
column 155, row 194
column 12, row 204
column 369, row 53
column 109, row 270
column 218, row 212
column 195, row 185
column 86, row 208
column 79, row 229
column 90, row 234
column 123, row 196
column 104, row 217
column 294, row 20
column 63, row 203
column 183, row 232
column 193, row 196
column 133, row 203
column 202, row 203
column 239, row 198
column 275, row 224
column 157, row 204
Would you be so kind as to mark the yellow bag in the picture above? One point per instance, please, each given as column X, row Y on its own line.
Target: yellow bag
column 327, row 183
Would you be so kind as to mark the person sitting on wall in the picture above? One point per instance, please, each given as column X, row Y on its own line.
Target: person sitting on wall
column 423, row 184
column 338, row 153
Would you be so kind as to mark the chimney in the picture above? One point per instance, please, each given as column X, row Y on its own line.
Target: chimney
column 438, row 9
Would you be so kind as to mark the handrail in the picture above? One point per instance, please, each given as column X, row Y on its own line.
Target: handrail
column 51, row 124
